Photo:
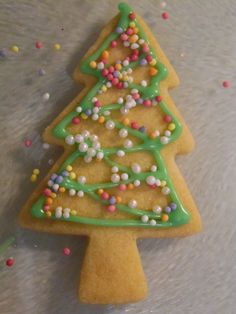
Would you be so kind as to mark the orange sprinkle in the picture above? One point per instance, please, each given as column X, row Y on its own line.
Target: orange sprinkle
column 118, row 199
column 101, row 119
column 49, row 201
column 62, row 189
column 125, row 121
column 118, row 66
column 152, row 71
column 100, row 191
column 135, row 30
column 130, row 186
column 152, row 135
column 164, row 217
column 105, row 54
column 133, row 38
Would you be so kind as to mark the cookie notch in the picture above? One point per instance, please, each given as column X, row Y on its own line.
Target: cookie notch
column 112, row 270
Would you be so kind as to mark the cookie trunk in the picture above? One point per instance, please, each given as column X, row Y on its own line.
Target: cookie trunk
column 112, row 271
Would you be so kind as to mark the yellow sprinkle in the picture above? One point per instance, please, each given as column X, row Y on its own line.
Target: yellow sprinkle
column 33, row 178
column 62, row 189
column 36, row 171
column 163, row 183
column 171, row 126
column 72, row 175
column 100, row 191
column 73, row 212
column 53, row 195
column 101, row 119
column 104, row 88
column 48, row 213
column 69, row 168
column 15, row 49
column 84, row 116
column 93, row 64
column 132, row 24
column 57, row 46
column 153, row 62
column 126, row 121
column 125, row 78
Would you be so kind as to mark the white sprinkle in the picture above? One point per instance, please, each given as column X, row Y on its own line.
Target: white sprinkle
column 164, row 140
column 83, row 147
column 167, row 133
column 143, row 83
column 50, row 183
column 153, row 222
column 108, row 84
column 136, row 168
column 95, row 110
column 87, row 159
column 120, row 153
column 96, row 145
column 144, row 218
column 95, row 117
column 106, row 113
column 70, row 140
column 134, row 46
column 151, row 180
column 157, row 209
column 153, row 168
column 120, row 100
column 91, row 152
column 82, row 179
column 124, row 176
column 58, row 212
column 114, row 169
column 128, row 143
column 165, row 190
column 100, row 65
column 158, row 182
column 85, row 133
column 94, row 99
column 79, row 138
column 123, row 133
column 80, row 193
column 46, row 96
column 134, row 91
column 100, row 155
column 141, row 41
column 78, row 109
column 124, row 110
column 110, row 125
column 55, row 187
column 72, row 192
column 115, row 178
column 132, row 203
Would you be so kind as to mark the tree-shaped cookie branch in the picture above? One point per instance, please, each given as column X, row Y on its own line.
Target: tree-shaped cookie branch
column 113, row 183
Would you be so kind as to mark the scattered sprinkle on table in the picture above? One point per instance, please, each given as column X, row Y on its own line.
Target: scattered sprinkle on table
column 226, row 84
column 165, row 15
column 66, row 251
column 163, row 4
column 15, row 49
column 41, row 72
column 46, row 146
column 34, row 175
column 38, row 45
column 3, row 53
column 28, row 143
column 57, row 46
column 10, row 262
column 46, row 96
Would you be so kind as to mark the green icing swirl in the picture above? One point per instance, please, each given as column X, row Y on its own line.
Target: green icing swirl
column 153, row 146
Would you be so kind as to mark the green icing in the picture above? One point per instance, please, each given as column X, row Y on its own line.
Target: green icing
column 153, row 146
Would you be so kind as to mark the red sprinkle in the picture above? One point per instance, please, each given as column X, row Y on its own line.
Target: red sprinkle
column 167, row 119
column 28, row 143
column 105, row 196
column 158, row 98
column 76, row 120
column 226, row 84
column 132, row 16
column 10, row 262
column 47, row 192
column 115, row 81
column 134, row 125
column 105, row 72
column 149, row 58
column 147, row 103
column 113, row 44
column 122, row 187
column 165, row 16
column 98, row 103
column 111, row 208
column 38, row 44
column 66, row 251
column 129, row 31
column 134, row 57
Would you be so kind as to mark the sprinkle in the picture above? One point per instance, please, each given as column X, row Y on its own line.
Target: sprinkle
column 104, row 195
column 173, row 206
column 130, row 186
column 165, row 15
column 70, row 140
column 152, row 71
column 28, row 143
column 132, row 203
column 132, row 16
column 69, row 168
column 41, row 72
column 66, row 251
column 80, row 193
column 153, row 222
column 76, row 120
column 93, row 64
column 120, row 153
column 38, row 44
column 124, row 176
column 164, row 140
column 226, row 84
column 36, row 171
column 46, row 146
column 167, row 209
column 142, row 129
column 157, row 209
column 57, row 46
column 114, row 169
column 143, row 62
column 143, row 83
column 46, row 96
column 100, row 191
column 164, row 217
column 136, row 168
column 128, row 143
column 167, row 133
column 158, row 98
column 153, row 168
column 3, row 53
column 151, row 180
column 113, row 44
column 33, row 177
column 72, row 192
column 119, row 30
column 171, row 126
column 115, row 178
column 137, row 183
column 10, row 262
column 144, row 218
column 78, row 109
column 122, row 187
column 111, row 208
column 101, row 119
column 165, row 190
column 118, row 199
column 82, row 179
column 15, row 49
column 167, row 119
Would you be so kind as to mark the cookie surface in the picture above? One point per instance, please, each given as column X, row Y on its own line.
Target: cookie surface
column 117, row 179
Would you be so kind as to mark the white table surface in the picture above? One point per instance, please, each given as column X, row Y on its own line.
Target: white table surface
column 192, row 275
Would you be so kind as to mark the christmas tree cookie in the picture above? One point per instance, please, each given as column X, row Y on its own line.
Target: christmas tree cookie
column 117, row 179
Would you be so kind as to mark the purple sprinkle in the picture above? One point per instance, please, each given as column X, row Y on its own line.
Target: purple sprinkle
column 173, row 206
column 140, row 101
column 59, row 179
column 53, row 176
column 143, row 62
column 3, row 53
column 88, row 112
column 167, row 209
column 65, row 173
column 119, row 30
column 116, row 73
column 41, row 72
column 112, row 200
column 142, row 129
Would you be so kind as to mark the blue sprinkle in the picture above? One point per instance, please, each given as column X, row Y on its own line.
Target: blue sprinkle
column 143, row 62
column 173, row 206
column 53, row 176
column 65, row 173
column 112, row 200
column 3, row 53
column 142, row 129
column 167, row 209
column 88, row 112
column 59, row 179
column 119, row 30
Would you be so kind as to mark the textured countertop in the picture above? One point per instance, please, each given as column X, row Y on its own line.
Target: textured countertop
column 191, row 275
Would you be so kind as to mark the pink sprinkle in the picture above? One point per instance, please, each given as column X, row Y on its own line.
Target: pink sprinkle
column 145, row 48
column 47, row 192
column 111, row 208
column 105, row 196
column 66, row 251
column 110, row 77
column 38, row 44
column 122, row 187
column 226, row 84
column 129, row 31
column 124, row 37
column 132, row 16
column 46, row 208
column 10, row 262
column 167, row 118
column 147, row 103
column 115, row 81
column 134, row 125
column 28, row 143
column 76, row 120
column 98, row 103
column 111, row 69
column 149, row 58
column 152, row 186
column 136, row 96
column 165, row 16
column 105, row 72
column 159, row 98
column 113, row 44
